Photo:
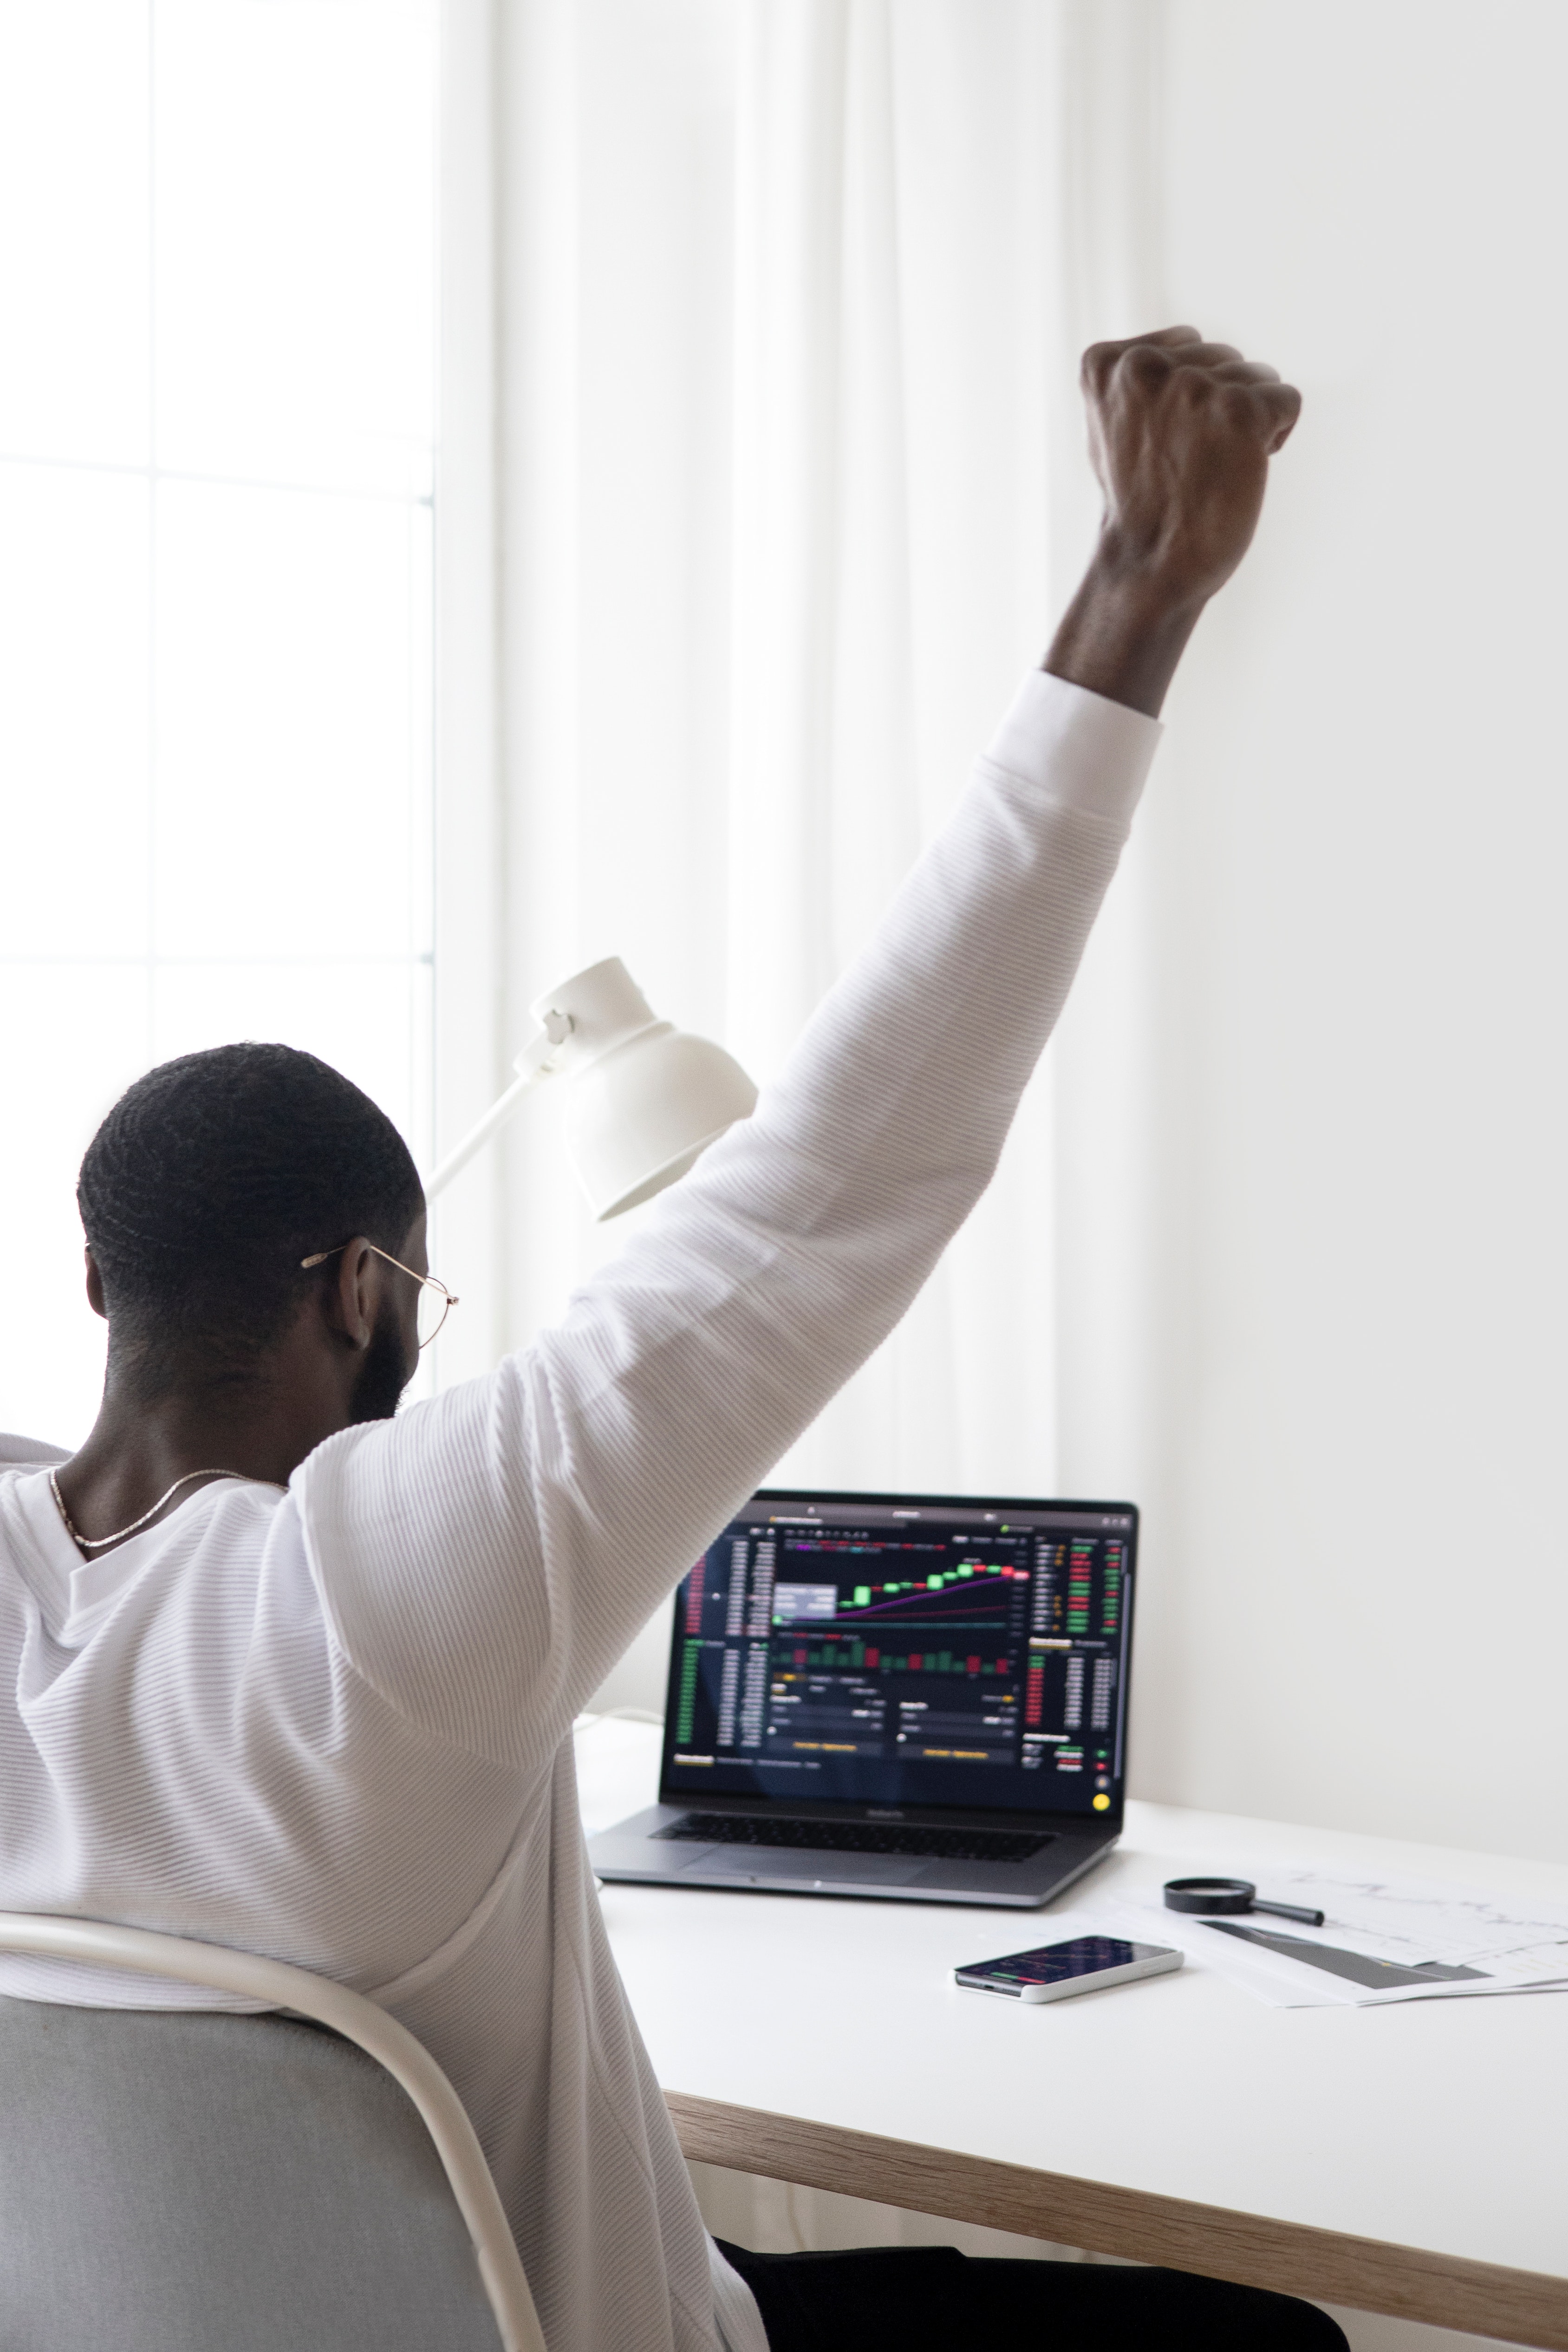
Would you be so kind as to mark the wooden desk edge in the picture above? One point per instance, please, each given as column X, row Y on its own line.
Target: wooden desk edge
column 1363, row 2273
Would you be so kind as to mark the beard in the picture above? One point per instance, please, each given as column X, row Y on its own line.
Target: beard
column 384, row 1375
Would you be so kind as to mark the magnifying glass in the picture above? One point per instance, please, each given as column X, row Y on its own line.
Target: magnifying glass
column 1223, row 1897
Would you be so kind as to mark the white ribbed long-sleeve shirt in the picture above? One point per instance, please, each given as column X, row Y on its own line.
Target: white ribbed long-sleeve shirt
column 332, row 1726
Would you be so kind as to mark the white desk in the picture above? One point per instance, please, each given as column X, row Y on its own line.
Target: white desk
column 1411, row 2159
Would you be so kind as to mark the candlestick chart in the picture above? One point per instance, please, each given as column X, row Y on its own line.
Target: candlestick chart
column 852, row 1657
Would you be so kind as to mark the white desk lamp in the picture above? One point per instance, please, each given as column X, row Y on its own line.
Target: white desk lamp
column 646, row 1097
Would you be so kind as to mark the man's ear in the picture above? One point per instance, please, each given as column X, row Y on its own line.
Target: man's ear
column 95, row 1286
column 355, row 1296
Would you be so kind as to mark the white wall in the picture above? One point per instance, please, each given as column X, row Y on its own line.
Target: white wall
column 1324, row 1027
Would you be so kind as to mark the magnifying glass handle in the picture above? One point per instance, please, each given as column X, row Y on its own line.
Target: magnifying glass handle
column 1289, row 1911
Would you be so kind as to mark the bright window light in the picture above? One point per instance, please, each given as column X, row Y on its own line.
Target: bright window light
column 217, row 226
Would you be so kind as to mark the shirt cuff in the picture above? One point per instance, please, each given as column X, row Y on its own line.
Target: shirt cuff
column 1082, row 751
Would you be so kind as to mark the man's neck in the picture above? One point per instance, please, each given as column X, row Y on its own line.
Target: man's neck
column 139, row 1447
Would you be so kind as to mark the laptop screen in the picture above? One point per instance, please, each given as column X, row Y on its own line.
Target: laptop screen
column 910, row 1651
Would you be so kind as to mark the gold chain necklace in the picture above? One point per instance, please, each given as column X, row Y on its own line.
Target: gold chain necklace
column 99, row 1543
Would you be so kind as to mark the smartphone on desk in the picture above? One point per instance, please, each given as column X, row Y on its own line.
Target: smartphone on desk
column 1054, row 1971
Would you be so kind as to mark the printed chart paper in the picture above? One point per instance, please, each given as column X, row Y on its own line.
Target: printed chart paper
column 1382, row 1939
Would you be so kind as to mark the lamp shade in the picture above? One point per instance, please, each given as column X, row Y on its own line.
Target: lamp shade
column 646, row 1098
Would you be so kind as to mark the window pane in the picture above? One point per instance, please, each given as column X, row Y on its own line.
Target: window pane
column 291, row 746
column 74, row 1040
column 294, row 240
column 215, row 713
column 74, row 711
column 368, row 1019
column 74, row 230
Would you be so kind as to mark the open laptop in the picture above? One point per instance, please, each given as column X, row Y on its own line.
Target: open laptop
column 917, row 1696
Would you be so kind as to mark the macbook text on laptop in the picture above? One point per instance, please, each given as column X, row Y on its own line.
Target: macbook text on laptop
column 916, row 1696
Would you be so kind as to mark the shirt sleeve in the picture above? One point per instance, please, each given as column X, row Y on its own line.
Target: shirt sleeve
column 484, row 1559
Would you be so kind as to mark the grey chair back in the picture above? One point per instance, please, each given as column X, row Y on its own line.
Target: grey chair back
column 31, row 1453
column 198, row 2182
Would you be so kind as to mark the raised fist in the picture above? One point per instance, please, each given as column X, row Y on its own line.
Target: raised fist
column 1181, row 432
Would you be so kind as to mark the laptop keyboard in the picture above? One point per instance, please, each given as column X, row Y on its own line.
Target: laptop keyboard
column 859, row 1837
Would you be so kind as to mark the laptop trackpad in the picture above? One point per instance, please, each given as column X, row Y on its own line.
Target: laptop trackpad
column 828, row 1869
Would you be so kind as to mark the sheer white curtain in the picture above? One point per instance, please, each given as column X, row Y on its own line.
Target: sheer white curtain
column 783, row 339
column 894, row 355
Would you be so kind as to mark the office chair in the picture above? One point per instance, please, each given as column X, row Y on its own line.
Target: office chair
column 27, row 1452
column 194, row 2180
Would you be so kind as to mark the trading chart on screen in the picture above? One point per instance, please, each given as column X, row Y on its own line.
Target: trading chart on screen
column 923, row 1653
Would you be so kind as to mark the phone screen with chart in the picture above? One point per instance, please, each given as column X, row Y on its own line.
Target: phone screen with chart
column 906, row 1652
column 1082, row 1956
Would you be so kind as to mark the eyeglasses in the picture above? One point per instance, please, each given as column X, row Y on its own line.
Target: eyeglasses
column 435, row 1301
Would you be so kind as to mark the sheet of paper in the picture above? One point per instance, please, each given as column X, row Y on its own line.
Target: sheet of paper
column 1382, row 1939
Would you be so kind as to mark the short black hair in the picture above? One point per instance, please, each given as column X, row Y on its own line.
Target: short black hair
column 209, row 1180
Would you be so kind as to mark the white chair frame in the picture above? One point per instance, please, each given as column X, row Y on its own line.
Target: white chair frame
column 100, row 1945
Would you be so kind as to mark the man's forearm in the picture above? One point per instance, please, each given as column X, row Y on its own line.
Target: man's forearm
column 1122, row 636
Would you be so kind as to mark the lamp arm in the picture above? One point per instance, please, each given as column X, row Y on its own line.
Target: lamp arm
column 531, row 1064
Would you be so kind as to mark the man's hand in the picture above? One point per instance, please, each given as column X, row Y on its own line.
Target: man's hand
column 1181, row 432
